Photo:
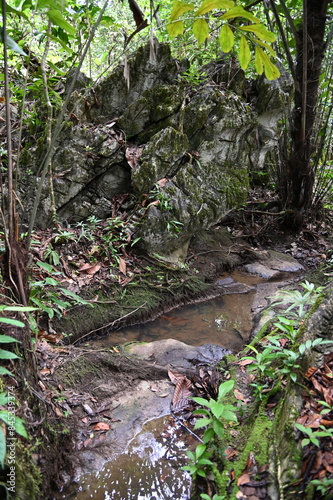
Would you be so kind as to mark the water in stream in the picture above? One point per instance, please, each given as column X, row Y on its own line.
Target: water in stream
column 149, row 469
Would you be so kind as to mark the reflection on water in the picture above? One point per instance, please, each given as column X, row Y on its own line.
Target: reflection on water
column 226, row 321
column 148, row 470
column 150, row 467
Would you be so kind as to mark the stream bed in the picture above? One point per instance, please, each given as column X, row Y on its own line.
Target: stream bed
column 149, row 466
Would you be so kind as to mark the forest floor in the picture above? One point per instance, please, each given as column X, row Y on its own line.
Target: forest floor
column 252, row 229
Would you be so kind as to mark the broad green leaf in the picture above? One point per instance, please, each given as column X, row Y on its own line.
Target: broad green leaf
column 226, row 38
column 58, row 19
column 217, row 409
column 225, row 387
column 4, row 371
column 11, row 44
column 258, row 62
column 46, row 266
column 261, row 31
column 201, row 473
column 2, row 448
column 239, row 11
column 51, row 281
column 200, row 30
column 179, row 8
column 205, row 461
column 7, row 339
column 64, row 45
column 7, row 355
column 202, row 401
column 200, row 450
column 267, row 47
column 20, row 308
column 208, row 435
column 244, row 54
column 7, row 417
column 208, row 5
column 75, row 297
column 3, row 399
column 13, row 322
column 218, row 428
column 202, row 422
column 271, row 71
column 175, row 29
column 229, row 415
column 15, row 11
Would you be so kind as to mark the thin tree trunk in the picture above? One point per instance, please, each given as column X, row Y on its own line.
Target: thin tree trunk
column 310, row 53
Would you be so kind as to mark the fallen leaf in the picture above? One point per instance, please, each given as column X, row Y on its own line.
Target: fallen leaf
column 164, row 395
column 162, row 182
column 101, row 426
column 310, row 371
column 90, row 269
column 243, row 479
column 84, row 420
column 245, row 362
column 45, row 371
column 230, row 452
column 122, row 265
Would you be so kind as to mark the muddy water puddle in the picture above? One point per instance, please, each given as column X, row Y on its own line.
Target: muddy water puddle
column 226, row 321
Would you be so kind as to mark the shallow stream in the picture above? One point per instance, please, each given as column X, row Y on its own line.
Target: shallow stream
column 149, row 468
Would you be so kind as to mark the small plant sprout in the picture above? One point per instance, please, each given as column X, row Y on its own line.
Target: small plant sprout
column 215, row 412
column 312, row 436
column 298, row 300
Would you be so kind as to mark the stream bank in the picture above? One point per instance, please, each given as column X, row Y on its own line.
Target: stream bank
column 124, row 386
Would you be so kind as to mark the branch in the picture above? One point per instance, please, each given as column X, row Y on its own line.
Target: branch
column 284, row 40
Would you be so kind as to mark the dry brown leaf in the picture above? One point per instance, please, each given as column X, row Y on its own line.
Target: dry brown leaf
column 245, row 362
column 164, row 395
column 243, row 479
column 122, row 265
column 310, row 371
column 230, row 452
column 101, row 426
column 90, row 269
column 162, row 182
column 44, row 372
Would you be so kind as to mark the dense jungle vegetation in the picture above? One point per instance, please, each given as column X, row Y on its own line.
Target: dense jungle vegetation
column 43, row 40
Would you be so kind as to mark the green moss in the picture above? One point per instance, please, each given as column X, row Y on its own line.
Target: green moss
column 28, row 477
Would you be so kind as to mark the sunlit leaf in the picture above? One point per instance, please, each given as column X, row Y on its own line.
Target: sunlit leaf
column 200, row 30
column 239, row 11
column 58, row 19
column 225, row 387
column 7, row 339
column 7, row 355
column 179, row 8
column 175, row 29
column 244, row 54
column 226, row 38
column 208, row 5
column 258, row 62
column 7, row 417
column 267, row 47
column 271, row 71
column 261, row 31
column 13, row 322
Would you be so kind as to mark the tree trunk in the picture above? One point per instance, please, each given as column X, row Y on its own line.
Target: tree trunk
column 310, row 51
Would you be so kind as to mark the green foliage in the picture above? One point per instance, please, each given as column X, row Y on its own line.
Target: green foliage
column 312, row 436
column 13, row 423
column 215, row 412
column 323, row 486
column 237, row 36
column 48, row 294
